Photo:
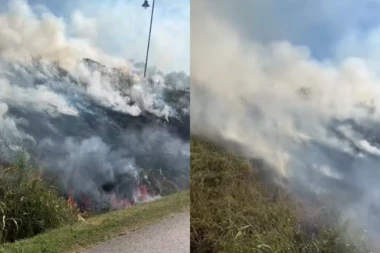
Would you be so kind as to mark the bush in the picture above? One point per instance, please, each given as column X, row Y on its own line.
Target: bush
column 28, row 206
column 232, row 211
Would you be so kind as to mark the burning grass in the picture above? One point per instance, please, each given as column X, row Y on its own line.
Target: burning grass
column 28, row 205
column 232, row 211
column 37, row 217
column 125, row 191
column 79, row 235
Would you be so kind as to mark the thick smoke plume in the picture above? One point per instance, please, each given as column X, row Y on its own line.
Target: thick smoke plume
column 100, row 131
column 25, row 34
column 315, row 122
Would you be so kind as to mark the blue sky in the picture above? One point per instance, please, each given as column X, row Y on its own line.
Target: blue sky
column 329, row 28
column 120, row 27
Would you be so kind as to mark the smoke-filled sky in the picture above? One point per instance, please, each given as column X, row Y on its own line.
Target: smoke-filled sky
column 296, row 83
column 118, row 28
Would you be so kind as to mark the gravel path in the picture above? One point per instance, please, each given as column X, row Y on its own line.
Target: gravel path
column 171, row 235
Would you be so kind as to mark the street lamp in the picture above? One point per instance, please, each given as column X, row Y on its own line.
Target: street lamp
column 146, row 6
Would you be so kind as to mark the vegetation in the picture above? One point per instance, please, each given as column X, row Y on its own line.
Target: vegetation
column 29, row 206
column 232, row 211
column 79, row 235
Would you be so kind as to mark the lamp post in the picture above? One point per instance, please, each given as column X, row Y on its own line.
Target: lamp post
column 146, row 6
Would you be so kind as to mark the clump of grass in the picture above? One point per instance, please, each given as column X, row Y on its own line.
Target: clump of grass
column 29, row 206
column 232, row 211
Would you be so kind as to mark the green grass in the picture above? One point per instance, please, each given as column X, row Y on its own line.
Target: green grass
column 232, row 211
column 99, row 228
column 28, row 205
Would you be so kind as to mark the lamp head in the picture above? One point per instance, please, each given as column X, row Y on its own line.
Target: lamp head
column 145, row 4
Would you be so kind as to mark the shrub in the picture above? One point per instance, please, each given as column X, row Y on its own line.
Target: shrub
column 28, row 206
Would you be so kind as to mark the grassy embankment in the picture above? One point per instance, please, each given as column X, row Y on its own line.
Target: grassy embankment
column 71, row 238
column 233, row 211
column 38, row 220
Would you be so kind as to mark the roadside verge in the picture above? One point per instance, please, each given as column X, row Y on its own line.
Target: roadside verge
column 100, row 228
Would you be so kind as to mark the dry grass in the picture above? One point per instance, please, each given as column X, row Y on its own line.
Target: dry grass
column 232, row 211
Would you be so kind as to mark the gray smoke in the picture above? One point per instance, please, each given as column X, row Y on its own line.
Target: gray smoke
column 85, row 139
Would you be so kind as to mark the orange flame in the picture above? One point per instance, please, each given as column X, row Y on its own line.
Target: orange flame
column 71, row 201
column 143, row 190
column 119, row 203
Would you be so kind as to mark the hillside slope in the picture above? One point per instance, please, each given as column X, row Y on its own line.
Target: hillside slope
column 233, row 211
column 100, row 132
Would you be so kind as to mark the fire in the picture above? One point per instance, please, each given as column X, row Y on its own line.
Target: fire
column 85, row 203
column 83, row 210
column 142, row 194
column 119, row 203
column 71, row 201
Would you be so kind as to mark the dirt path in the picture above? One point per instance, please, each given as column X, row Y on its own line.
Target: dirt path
column 171, row 235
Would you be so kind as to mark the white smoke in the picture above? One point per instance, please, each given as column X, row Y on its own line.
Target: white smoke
column 29, row 30
column 25, row 34
column 278, row 103
column 83, row 128
column 41, row 98
column 80, row 122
